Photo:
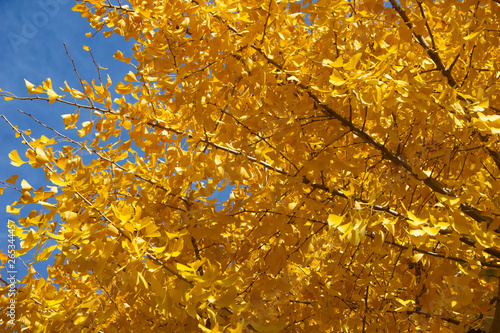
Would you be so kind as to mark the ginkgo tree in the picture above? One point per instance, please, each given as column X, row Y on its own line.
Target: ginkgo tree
column 359, row 140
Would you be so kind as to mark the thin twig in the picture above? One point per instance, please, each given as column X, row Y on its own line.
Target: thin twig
column 78, row 75
column 267, row 20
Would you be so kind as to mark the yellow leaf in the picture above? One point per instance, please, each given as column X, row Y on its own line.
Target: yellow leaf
column 417, row 232
column 414, row 220
column 151, row 230
column 184, row 268
column 3, row 257
column 124, row 214
column 473, row 35
column 405, row 304
column 12, row 179
column 177, row 248
column 334, row 220
column 55, row 179
column 432, row 231
column 145, row 13
column 41, row 157
column 86, row 128
column 12, row 210
column 52, row 95
column 15, row 159
column 47, row 84
column 69, row 216
column 80, row 319
column 124, row 89
column 113, row 230
column 447, row 199
column 45, row 204
column 227, row 281
column 337, row 63
column 119, row 56
column 25, row 186
column 417, row 257
column 160, row 249
column 271, row 327
column 353, row 61
column 66, row 87
column 86, row 48
column 344, row 229
column 70, row 120
column 54, row 236
column 142, row 279
column 31, row 88
column 130, row 77
column 480, row 106
column 336, row 78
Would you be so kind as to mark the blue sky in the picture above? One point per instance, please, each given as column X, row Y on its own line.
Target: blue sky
column 32, row 33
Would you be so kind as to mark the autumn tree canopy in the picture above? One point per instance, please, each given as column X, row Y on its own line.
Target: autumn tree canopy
column 359, row 139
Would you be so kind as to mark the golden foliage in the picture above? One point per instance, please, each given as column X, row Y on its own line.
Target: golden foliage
column 360, row 142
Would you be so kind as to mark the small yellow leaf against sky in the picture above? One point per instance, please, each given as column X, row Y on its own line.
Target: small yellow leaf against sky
column 55, row 236
column 31, row 88
column 119, row 56
column 52, row 95
column 3, row 257
column 25, row 186
column 15, row 160
column 12, row 179
column 45, row 204
column 47, row 84
column 124, row 89
column 12, row 210
column 41, row 157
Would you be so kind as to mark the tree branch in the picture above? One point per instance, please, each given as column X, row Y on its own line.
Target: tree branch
column 433, row 54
